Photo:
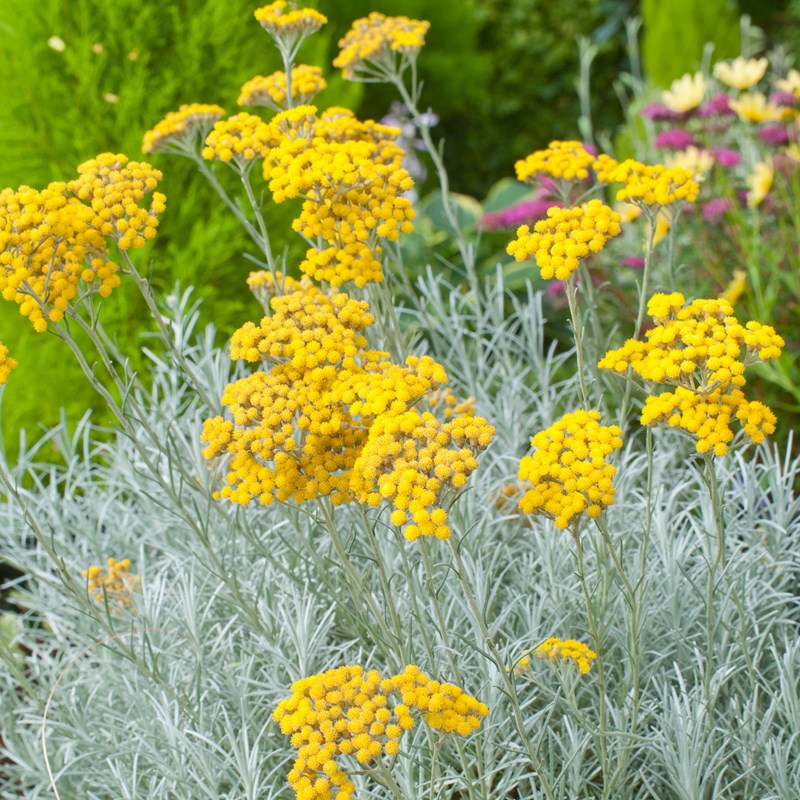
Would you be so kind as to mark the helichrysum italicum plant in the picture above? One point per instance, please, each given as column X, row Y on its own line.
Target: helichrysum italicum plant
column 348, row 430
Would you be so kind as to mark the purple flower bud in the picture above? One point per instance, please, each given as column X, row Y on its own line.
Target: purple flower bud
column 713, row 210
column 726, row 157
column 788, row 99
column 525, row 212
column 674, row 139
column 717, row 106
column 658, row 112
column 635, row 262
column 774, row 135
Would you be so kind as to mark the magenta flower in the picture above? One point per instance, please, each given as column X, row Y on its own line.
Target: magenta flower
column 774, row 135
column 784, row 99
column 674, row 139
column 714, row 209
column 717, row 106
column 634, row 262
column 726, row 157
column 658, row 112
column 525, row 212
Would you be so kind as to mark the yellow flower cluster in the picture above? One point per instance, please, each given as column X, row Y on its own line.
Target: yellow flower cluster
column 179, row 129
column 376, row 38
column 561, row 160
column 349, row 174
column 330, row 418
column 241, row 138
column 6, row 364
column 54, row 238
column 284, row 21
column 567, row 650
column 703, row 350
column 565, row 237
column 408, row 459
column 568, row 470
column 270, row 91
column 647, row 185
column 113, row 582
column 114, row 187
column 346, row 712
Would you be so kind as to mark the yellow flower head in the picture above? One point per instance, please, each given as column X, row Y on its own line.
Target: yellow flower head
column 112, row 583
column 270, row 91
column 754, row 107
column 350, row 174
column 375, row 39
column 791, row 83
column 114, row 187
column 567, row 650
column 331, row 418
column 53, row 239
column 568, row 473
column 6, row 364
column 685, row 94
column 349, row 712
column 413, row 460
column 647, row 185
column 240, row 139
column 694, row 160
column 759, row 182
column 703, row 350
column 741, row 73
column 567, row 160
column 286, row 23
column 565, row 237
column 736, row 287
column 180, row 131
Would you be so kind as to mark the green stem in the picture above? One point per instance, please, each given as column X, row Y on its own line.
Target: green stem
column 598, row 648
column 569, row 286
column 505, row 677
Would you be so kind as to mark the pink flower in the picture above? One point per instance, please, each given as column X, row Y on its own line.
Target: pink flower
column 717, row 106
column 774, row 135
column 726, row 157
column 716, row 208
column 658, row 112
column 634, row 262
column 674, row 139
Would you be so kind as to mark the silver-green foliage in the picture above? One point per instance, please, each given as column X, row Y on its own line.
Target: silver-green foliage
column 236, row 603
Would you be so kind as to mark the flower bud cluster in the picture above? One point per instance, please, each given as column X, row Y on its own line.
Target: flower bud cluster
column 374, row 39
column 242, row 139
column 286, row 23
column 409, row 460
column 179, row 130
column 568, row 471
column 703, row 350
column 566, row 650
column 113, row 582
column 6, row 364
column 647, row 185
column 270, row 91
column 567, row 160
column 565, row 237
column 330, row 417
column 348, row 712
column 54, row 238
column 114, row 187
column 350, row 176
